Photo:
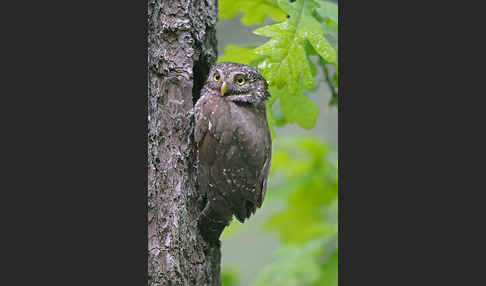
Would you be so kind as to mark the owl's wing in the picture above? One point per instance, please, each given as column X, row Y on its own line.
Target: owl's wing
column 255, row 161
column 213, row 142
column 264, row 176
column 217, row 213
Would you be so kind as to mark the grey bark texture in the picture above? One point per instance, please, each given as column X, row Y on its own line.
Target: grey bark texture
column 181, row 49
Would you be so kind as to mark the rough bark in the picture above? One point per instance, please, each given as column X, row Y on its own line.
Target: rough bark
column 181, row 48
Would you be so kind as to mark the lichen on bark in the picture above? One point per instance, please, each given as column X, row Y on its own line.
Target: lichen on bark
column 181, row 49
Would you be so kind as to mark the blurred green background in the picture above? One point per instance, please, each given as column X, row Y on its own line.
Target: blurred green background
column 292, row 239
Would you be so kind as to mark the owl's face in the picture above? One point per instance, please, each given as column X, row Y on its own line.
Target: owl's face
column 237, row 82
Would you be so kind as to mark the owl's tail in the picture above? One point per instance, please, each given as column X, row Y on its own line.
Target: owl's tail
column 214, row 218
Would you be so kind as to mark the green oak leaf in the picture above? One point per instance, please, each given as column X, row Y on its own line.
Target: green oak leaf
column 286, row 59
column 298, row 108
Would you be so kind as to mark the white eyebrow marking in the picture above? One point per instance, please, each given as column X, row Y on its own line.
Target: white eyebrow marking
column 232, row 74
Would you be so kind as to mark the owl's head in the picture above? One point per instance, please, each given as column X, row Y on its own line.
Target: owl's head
column 238, row 82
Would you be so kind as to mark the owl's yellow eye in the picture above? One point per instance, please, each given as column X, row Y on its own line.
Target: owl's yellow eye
column 240, row 81
column 216, row 77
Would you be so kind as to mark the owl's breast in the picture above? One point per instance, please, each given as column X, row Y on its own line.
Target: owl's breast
column 241, row 132
column 249, row 132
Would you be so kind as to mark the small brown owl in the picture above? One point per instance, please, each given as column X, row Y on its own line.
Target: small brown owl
column 234, row 145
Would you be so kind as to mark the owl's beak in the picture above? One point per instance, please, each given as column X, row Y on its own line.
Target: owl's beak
column 223, row 88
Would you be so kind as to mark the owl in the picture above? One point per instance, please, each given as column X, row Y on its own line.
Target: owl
column 234, row 146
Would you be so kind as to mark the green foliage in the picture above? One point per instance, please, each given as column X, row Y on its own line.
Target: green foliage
column 298, row 108
column 311, row 209
column 309, row 264
column 254, row 11
column 328, row 13
column 285, row 59
column 229, row 277
column 328, row 269
column 288, row 37
column 295, row 265
column 308, row 224
column 331, row 81
column 298, row 46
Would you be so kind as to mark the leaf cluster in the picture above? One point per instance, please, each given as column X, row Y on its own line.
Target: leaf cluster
column 302, row 41
column 308, row 223
column 285, row 60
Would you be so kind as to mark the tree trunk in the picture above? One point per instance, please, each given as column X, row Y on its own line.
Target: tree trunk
column 181, row 49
